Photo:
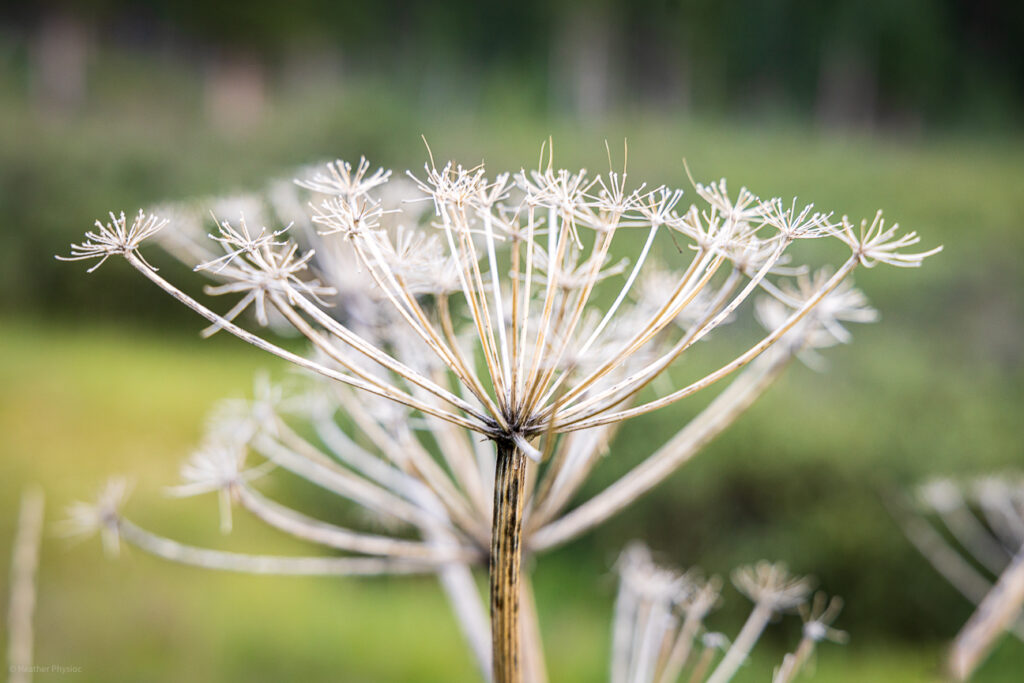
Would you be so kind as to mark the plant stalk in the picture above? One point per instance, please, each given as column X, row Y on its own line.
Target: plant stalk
column 533, row 647
column 505, row 560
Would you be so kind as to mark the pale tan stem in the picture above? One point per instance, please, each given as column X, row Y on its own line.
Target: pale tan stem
column 975, row 538
column 490, row 344
column 482, row 325
column 407, row 307
column 554, row 271
column 344, row 483
column 24, row 566
column 744, row 643
column 793, row 663
column 994, row 615
column 305, row 363
column 418, row 462
column 726, row 407
column 534, row 669
column 340, row 538
column 580, row 451
column 378, row 356
column 741, row 360
column 700, row 671
column 468, row 607
column 622, row 292
column 524, row 327
column 425, row 329
column 682, row 647
column 263, row 564
column 499, row 304
column 960, row 573
column 630, row 386
column 458, row 454
column 568, row 331
column 505, row 562
column 514, row 315
column 460, row 365
column 657, row 322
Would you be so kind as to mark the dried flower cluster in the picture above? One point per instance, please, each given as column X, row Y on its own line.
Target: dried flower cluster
column 449, row 309
column 660, row 632
column 971, row 531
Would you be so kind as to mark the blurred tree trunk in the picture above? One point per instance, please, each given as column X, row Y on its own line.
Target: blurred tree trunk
column 58, row 62
column 235, row 91
column 659, row 67
column 581, row 62
column 847, row 88
column 307, row 70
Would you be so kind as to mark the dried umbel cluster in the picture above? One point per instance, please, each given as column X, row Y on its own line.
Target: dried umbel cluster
column 449, row 310
column 660, row 632
column 972, row 532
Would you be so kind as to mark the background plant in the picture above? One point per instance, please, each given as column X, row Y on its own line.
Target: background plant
column 971, row 531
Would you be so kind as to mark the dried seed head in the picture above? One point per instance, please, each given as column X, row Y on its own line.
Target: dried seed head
column 642, row 577
column 823, row 326
column 239, row 242
column 349, row 218
column 772, row 585
column 345, row 182
column 875, row 243
column 217, row 466
column 818, row 618
column 452, row 184
column 114, row 238
column 793, row 224
column 101, row 516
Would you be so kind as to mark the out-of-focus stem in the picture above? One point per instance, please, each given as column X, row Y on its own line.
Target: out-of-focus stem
column 385, row 392
column 462, row 592
column 534, row 669
column 703, row 664
column 505, row 561
column 740, row 648
column 726, row 407
column 994, row 615
column 263, row 564
column 793, row 663
column 955, row 569
column 341, row 538
column 682, row 647
column 24, row 564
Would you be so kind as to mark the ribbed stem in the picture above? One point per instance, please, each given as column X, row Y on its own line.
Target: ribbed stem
column 506, row 556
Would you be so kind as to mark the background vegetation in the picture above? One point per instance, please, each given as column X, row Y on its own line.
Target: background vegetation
column 101, row 374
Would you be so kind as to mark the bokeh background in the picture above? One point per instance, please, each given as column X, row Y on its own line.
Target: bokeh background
column 913, row 106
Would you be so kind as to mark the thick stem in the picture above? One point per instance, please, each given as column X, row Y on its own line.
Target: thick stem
column 506, row 556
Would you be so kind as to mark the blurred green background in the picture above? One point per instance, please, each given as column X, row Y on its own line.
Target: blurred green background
column 914, row 107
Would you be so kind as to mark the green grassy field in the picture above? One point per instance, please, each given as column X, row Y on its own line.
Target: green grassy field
column 100, row 375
